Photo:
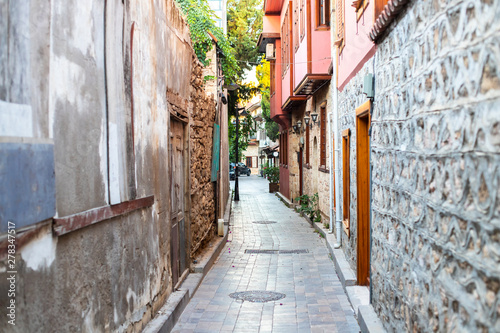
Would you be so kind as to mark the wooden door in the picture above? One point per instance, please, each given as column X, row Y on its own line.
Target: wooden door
column 301, row 173
column 178, row 234
column 363, row 189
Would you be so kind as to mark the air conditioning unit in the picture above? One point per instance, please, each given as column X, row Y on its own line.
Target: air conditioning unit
column 270, row 51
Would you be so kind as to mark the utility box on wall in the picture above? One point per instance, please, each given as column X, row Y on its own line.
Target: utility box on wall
column 270, row 52
column 368, row 85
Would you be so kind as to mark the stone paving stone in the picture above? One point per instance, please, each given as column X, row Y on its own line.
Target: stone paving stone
column 315, row 300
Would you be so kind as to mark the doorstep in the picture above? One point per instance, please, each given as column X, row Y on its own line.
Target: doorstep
column 359, row 296
column 166, row 318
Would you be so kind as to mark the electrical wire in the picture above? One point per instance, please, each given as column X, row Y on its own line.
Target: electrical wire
column 285, row 63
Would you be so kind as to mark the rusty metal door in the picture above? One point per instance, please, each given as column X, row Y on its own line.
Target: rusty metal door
column 177, row 195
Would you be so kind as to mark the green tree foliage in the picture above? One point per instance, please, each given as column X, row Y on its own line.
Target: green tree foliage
column 240, row 97
column 200, row 20
column 263, row 76
column 244, row 23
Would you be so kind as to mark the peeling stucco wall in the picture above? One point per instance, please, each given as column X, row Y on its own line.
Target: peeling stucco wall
column 435, row 157
column 98, row 81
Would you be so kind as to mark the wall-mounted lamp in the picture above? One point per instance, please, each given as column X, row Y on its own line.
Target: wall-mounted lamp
column 314, row 117
column 307, row 120
column 299, row 125
column 294, row 129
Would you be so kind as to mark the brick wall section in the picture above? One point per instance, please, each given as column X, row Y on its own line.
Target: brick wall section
column 202, row 117
column 435, row 157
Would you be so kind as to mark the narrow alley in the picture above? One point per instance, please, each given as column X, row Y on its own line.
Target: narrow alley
column 313, row 298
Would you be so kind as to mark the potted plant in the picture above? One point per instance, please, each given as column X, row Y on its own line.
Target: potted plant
column 273, row 175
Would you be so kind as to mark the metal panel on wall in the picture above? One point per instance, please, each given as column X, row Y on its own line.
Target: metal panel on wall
column 215, row 153
column 27, row 182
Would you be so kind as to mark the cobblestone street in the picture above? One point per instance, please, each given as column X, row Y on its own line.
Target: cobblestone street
column 314, row 299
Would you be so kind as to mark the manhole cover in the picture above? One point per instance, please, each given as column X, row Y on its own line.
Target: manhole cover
column 257, row 251
column 257, row 296
column 264, row 222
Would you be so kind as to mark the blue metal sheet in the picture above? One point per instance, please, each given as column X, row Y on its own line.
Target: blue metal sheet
column 27, row 183
column 215, row 153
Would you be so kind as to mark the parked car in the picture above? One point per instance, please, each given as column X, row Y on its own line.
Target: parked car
column 242, row 170
column 231, row 171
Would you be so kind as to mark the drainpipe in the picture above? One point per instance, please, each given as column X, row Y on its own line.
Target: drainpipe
column 334, row 151
column 330, row 167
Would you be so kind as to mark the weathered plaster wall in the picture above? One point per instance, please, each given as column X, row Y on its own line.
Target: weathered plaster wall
column 78, row 105
column 435, row 156
column 117, row 71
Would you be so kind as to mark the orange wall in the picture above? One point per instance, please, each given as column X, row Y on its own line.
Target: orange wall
column 271, row 24
column 276, row 97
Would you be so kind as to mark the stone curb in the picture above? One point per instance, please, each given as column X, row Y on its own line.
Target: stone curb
column 358, row 296
column 285, row 200
column 166, row 318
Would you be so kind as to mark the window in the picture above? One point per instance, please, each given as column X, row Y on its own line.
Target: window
column 281, row 149
column 307, row 145
column 249, row 161
column 302, row 19
column 322, row 161
column 285, row 148
column 296, row 27
column 340, row 33
column 323, row 13
column 285, row 46
column 346, row 184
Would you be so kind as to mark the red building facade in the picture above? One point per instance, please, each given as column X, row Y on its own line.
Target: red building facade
column 296, row 40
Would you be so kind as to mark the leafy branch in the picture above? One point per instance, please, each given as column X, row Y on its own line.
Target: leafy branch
column 199, row 17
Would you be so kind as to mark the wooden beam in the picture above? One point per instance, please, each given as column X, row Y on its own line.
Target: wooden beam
column 77, row 221
column 363, row 109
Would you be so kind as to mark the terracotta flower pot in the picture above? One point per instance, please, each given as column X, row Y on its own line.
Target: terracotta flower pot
column 274, row 187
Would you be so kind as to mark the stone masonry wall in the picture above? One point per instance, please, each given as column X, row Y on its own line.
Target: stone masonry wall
column 202, row 118
column 436, row 175
column 314, row 181
column 350, row 98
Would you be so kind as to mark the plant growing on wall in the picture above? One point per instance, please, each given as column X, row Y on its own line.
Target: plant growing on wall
column 200, row 20
column 309, row 206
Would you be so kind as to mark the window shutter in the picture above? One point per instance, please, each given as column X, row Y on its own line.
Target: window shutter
column 323, row 137
column 296, row 27
column 340, row 25
column 302, row 19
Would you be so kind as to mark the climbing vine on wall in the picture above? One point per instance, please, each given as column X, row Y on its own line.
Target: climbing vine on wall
column 200, row 20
